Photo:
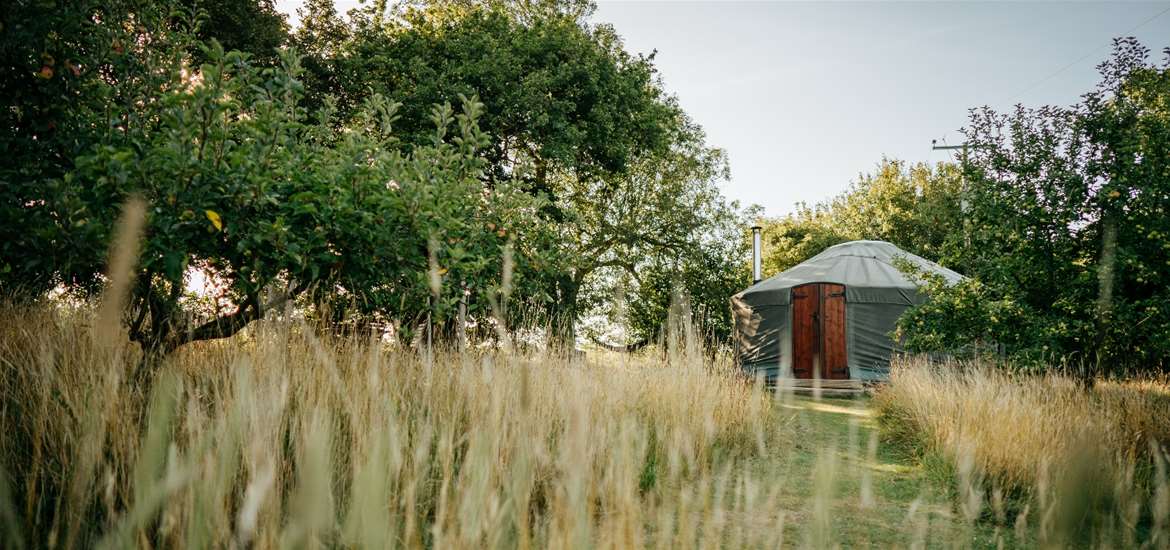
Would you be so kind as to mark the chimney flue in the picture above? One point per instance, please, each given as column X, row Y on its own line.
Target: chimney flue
column 757, row 271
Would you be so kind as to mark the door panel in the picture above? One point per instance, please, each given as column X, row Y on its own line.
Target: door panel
column 818, row 332
column 805, row 303
column 836, row 364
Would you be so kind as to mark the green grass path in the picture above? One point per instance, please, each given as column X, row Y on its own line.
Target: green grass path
column 842, row 495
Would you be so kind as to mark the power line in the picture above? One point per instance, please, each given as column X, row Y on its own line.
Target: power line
column 1095, row 51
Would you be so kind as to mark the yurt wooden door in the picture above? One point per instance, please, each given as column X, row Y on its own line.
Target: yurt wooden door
column 818, row 331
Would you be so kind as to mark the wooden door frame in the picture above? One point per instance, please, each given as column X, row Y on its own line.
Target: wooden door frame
column 806, row 303
column 817, row 366
column 834, row 358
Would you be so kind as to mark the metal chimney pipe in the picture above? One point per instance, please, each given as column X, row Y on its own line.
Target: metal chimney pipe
column 757, row 271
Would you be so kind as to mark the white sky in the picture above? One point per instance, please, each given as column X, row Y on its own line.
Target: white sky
column 805, row 96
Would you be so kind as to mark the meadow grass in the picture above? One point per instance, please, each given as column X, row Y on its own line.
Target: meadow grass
column 283, row 437
column 286, row 437
column 1039, row 453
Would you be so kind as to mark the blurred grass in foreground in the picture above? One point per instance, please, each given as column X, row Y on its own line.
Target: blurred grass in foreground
column 1039, row 454
column 283, row 437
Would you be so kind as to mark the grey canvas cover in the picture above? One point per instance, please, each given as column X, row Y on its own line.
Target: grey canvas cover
column 876, row 294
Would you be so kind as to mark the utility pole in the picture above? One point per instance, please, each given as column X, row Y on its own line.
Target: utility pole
column 963, row 204
column 963, row 162
column 757, row 255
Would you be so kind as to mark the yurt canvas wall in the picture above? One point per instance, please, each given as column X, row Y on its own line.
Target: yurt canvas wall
column 831, row 316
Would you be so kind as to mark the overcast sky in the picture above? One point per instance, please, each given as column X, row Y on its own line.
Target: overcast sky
column 805, row 96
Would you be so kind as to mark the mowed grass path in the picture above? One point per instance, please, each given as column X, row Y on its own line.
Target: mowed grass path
column 844, row 493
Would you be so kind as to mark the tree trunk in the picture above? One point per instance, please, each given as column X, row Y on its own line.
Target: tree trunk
column 563, row 333
column 1106, row 269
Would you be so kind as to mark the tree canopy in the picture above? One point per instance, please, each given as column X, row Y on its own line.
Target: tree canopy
column 79, row 79
column 424, row 163
column 250, row 26
column 1066, row 232
column 623, row 174
column 558, row 94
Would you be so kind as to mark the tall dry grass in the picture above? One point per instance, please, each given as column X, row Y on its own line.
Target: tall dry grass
column 281, row 437
column 1075, row 466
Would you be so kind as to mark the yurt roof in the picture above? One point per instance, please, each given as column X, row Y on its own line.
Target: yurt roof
column 855, row 264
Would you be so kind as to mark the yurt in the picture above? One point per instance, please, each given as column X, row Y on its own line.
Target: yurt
column 831, row 317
